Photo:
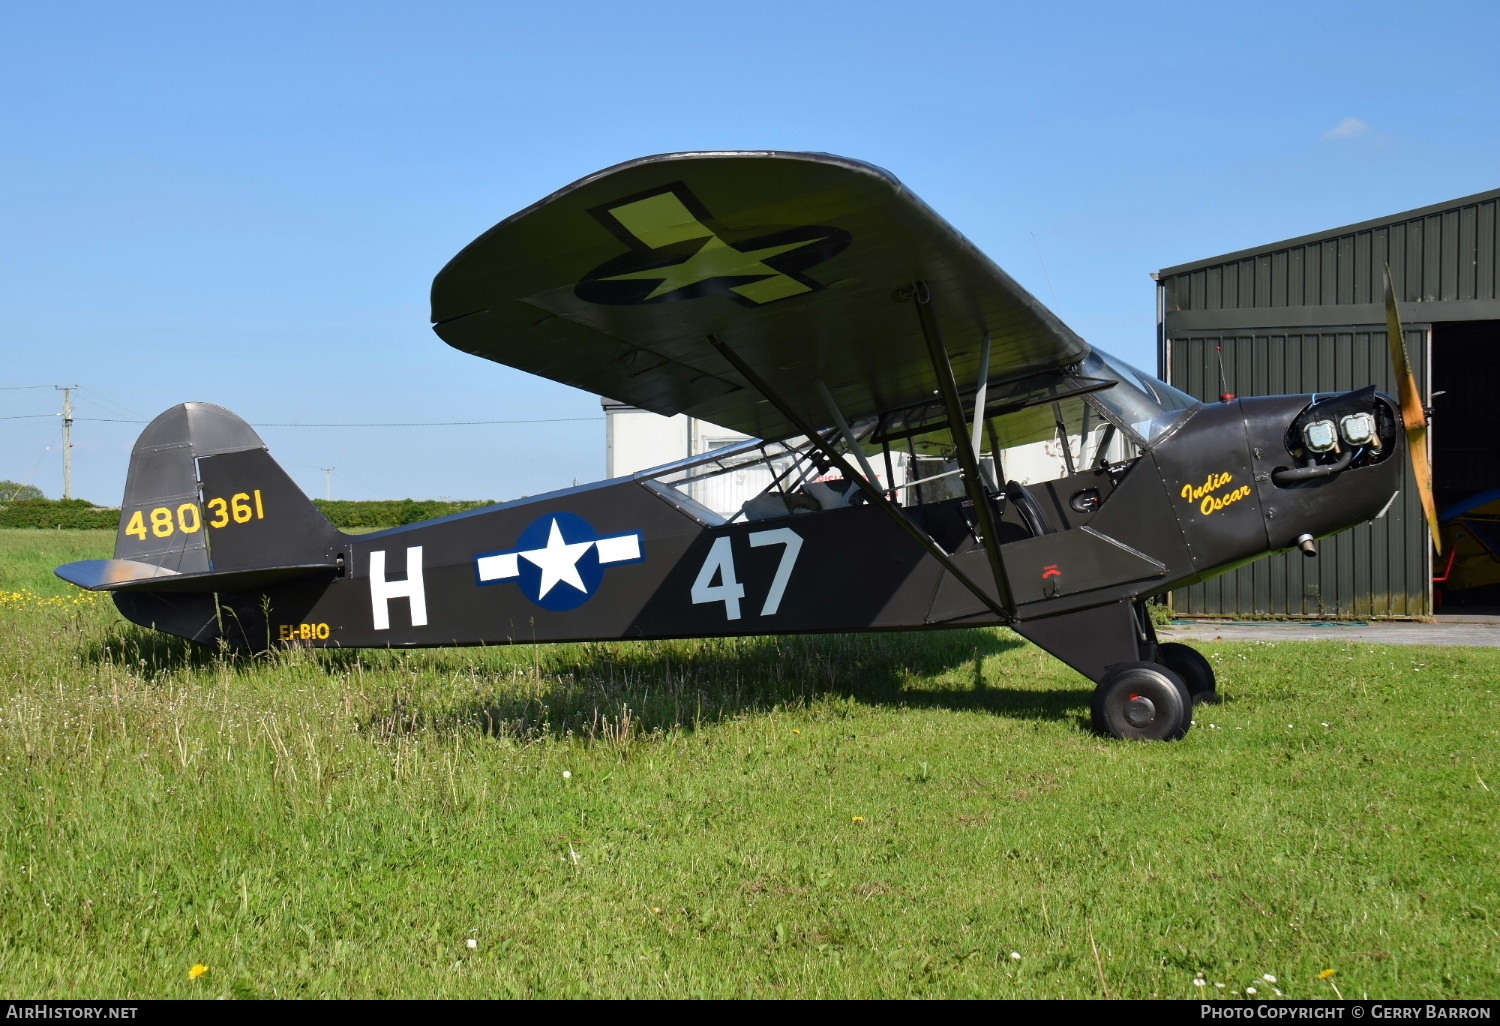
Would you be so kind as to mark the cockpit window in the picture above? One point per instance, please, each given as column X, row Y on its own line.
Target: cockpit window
column 1148, row 406
column 1040, row 428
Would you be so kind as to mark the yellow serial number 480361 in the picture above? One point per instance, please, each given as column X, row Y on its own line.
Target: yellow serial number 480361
column 239, row 508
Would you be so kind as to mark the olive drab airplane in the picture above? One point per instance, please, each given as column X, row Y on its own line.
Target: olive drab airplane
column 931, row 448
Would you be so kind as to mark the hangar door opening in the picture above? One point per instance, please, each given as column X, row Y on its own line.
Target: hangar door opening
column 1466, row 464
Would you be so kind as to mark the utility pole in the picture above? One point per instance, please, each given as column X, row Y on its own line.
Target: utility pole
column 67, row 391
column 328, row 481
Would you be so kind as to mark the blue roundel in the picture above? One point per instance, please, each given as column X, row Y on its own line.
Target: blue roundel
column 562, row 594
column 559, row 559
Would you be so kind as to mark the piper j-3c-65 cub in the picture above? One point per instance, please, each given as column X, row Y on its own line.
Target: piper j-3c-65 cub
column 932, row 448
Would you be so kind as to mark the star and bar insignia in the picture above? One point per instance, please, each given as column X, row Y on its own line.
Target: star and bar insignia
column 679, row 251
column 559, row 560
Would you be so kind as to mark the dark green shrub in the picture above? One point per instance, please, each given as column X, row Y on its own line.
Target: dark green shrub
column 79, row 514
column 68, row 514
column 389, row 512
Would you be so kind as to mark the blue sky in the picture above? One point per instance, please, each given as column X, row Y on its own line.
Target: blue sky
column 246, row 203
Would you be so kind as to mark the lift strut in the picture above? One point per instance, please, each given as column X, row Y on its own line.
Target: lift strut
column 870, row 488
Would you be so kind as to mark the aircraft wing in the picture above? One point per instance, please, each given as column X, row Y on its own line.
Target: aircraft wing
column 794, row 260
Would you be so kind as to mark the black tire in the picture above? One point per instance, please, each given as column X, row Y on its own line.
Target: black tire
column 1195, row 670
column 1142, row 701
column 1030, row 511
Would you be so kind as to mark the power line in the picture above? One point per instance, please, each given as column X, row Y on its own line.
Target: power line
column 144, row 420
column 443, row 423
column 435, row 423
column 111, row 402
column 45, row 450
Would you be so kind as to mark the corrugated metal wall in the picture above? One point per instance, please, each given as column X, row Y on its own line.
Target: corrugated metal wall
column 1446, row 255
column 1376, row 569
column 1307, row 315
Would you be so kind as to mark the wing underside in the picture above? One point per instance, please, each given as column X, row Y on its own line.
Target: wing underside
column 802, row 264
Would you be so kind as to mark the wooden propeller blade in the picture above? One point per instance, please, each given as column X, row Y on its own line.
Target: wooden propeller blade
column 1413, row 415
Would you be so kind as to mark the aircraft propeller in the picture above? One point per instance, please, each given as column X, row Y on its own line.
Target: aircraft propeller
column 1413, row 413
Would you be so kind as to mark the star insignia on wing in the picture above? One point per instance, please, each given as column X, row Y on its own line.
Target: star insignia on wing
column 717, row 259
column 677, row 251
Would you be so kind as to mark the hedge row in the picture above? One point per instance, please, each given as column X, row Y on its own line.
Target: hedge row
column 78, row 514
column 388, row 512
column 70, row 514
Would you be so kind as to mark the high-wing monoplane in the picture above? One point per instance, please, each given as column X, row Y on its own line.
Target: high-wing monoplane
column 931, row 448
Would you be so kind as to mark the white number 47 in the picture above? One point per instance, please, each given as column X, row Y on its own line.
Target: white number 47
column 720, row 566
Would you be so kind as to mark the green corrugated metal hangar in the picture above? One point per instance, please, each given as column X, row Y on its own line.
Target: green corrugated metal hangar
column 1307, row 315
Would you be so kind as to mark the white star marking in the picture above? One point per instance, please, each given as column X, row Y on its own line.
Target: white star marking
column 558, row 561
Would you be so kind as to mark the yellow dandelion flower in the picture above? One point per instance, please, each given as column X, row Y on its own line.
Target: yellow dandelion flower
column 197, row 971
column 859, row 819
column 1325, row 974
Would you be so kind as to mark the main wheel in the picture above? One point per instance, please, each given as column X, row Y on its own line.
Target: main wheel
column 1144, row 701
column 1189, row 664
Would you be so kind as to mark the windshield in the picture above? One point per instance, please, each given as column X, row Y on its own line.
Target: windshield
column 1146, row 405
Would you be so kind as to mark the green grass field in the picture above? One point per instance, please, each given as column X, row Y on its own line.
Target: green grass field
column 863, row 815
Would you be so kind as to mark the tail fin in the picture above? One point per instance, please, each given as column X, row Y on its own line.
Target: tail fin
column 203, row 495
column 206, row 511
column 161, row 522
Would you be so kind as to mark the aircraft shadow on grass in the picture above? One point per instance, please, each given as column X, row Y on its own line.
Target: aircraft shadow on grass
column 613, row 690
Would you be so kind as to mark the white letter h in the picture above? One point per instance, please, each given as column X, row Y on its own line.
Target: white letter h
column 382, row 591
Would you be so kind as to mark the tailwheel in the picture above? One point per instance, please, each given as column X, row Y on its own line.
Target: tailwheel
column 1142, row 701
column 1195, row 670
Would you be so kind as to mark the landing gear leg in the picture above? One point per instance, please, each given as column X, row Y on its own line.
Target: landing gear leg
column 1110, row 645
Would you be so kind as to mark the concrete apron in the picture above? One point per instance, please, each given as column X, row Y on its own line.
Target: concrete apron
column 1473, row 631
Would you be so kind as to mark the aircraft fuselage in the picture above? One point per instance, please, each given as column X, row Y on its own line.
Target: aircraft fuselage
column 620, row 559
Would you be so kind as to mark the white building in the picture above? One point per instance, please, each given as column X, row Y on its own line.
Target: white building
column 636, row 439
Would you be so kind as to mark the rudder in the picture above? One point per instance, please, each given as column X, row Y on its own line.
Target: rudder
column 205, row 501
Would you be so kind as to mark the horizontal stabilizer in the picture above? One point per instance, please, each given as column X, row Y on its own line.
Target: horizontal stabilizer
column 130, row 575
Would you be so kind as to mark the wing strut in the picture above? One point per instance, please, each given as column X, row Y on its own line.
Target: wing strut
column 843, row 426
column 869, row 487
column 981, row 399
column 973, row 480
